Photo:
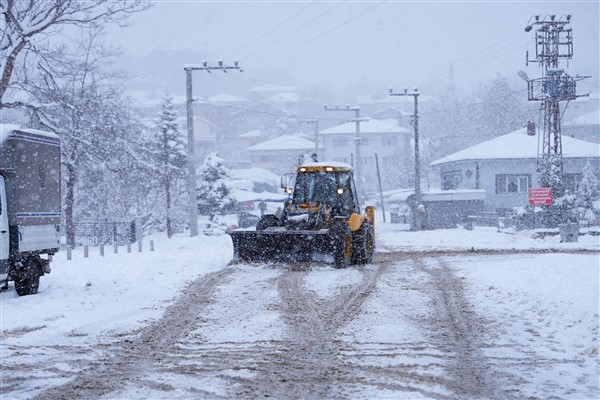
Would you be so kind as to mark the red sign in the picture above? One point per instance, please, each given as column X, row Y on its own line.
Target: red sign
column 540, row 196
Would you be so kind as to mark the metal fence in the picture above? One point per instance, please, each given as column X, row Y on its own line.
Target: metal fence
column 104, row 233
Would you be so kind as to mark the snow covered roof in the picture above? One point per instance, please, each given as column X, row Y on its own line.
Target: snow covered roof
column 519, row 145
column 252, row 134
column 369, row 126
column 592, row 118
column 226, row 98
column 276, row 88
column 389, row 112
column 284, row 142
column 285, row 97
column 7, row 129
column 255, row 175
column 403, row 99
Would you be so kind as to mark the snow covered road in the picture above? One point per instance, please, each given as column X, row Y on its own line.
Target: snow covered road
column 410, row 325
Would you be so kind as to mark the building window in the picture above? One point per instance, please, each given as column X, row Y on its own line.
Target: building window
column 390, row 161
column 340, row 142
column 512, row 183
column 389, row 141
column 366, row 161
column 571, row 182
column 451, row 180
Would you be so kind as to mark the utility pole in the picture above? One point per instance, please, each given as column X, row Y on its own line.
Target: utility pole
column 415, row 95
column 553, row 42
column 316, row 122
column 357, row 143
column 191, row 178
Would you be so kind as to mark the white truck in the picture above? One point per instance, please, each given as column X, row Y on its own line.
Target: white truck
column 30, row 205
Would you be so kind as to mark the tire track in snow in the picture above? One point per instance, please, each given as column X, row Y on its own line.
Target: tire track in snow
column 458, row 332
column 312, row 364
column 128, row 362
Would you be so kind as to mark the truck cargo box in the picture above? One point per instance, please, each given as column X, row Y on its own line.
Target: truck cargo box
column 30, row 165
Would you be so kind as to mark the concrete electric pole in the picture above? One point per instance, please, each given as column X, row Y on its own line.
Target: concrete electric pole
column 191, row 156
column 316, row 122
column 415, row 95
column 357, row 143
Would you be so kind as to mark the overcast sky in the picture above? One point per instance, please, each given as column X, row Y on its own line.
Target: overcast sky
column 394, row 43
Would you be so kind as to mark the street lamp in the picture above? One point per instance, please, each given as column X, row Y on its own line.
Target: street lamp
column 191, row 178
column 415, row 95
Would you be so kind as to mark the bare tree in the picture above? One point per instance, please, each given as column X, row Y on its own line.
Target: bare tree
column 26, row 27
column 99, row 132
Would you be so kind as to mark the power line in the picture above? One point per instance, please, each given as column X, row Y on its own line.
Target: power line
column 321, row 34
column 293, row 31
column 247, row 45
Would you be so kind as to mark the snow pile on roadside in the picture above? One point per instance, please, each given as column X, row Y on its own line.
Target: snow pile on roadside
column 396, row 238
column 114, row 292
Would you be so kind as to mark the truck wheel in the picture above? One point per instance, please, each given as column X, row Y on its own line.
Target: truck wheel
column 27, row 281
column 363, row 245
column 341, row 236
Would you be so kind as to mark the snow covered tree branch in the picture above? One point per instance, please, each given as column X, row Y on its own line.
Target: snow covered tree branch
column 26, row 26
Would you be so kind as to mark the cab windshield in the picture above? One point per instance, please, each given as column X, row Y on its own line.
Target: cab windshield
column 334, row 189
column 315, row 187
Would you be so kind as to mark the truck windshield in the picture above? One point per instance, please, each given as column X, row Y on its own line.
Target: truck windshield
column 315, row 187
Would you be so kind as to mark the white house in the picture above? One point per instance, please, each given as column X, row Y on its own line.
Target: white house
column 385, row 138
column 506, row 167
column 281, row 154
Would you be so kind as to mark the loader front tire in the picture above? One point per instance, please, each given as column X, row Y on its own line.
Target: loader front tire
column 363, row 245
column 267, row 221
column 341, row 237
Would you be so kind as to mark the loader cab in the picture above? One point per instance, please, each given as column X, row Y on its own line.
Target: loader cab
column 324, row 184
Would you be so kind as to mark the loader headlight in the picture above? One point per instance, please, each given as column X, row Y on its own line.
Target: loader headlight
column 340, row 191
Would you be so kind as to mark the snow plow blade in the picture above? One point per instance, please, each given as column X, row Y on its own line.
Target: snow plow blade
column 280, row 244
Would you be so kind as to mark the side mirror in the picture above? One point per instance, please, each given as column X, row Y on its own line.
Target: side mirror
column 286, row 183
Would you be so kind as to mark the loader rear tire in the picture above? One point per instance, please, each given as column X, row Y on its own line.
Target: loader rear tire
column 363, row 245
column 341, row 236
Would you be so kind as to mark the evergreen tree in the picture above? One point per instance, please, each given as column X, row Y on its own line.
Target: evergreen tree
column 563, row 203
column 215, row 192
column 589, row 191
column 171, row 155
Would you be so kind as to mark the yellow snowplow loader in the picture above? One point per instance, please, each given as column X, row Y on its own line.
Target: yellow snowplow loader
column 321, row 221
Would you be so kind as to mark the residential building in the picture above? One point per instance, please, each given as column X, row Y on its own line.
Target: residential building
column 384, row 138
column 281, row 154
column 506, row 167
